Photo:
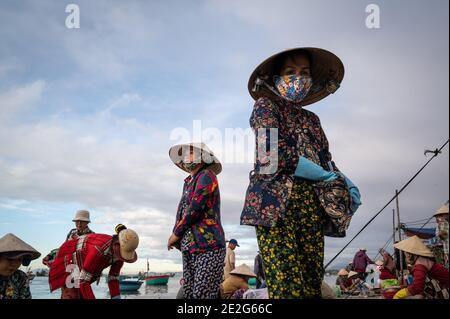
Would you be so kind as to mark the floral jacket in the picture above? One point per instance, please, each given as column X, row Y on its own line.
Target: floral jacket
column 15, row 287
column 299, row 133
column 198, row 215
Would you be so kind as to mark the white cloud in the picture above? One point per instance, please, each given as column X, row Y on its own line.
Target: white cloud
column 17, row 100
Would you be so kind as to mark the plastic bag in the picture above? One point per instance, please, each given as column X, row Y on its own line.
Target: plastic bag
column 256, row 294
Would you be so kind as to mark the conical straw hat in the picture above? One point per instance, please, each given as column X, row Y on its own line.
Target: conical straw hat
column 415, row 246
column 352, row 273
column 442, row 211
column 343, row 272
column 327, row 71
column 13, row 246
column 178, row 152
column 129, row 241
column 379, row 263
column 243, row 270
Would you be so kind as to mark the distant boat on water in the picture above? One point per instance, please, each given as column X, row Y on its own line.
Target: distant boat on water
column 156, row 280
column 42, row 273
column 130, row 283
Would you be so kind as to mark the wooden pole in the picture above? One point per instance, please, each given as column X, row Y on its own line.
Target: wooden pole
column 398, row 216
column 393, row 224
column 393, row 235
column 399, row 235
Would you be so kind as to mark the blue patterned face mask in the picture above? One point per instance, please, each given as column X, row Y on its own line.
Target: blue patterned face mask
column 293, row 88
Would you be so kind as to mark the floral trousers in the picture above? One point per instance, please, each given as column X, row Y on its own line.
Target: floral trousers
column 203, row 273
column 293, row 251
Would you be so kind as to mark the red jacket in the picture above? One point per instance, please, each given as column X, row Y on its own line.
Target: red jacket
column 92, row 254
column 419, row 272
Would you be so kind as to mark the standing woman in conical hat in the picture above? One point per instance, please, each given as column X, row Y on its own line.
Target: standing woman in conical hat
column 296, row 194
column 14, row 252
column 430, row 279
column 198, row 231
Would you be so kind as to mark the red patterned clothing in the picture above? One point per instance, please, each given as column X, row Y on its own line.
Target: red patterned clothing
column 426, row 268
column 198, row 215
column 92, row 254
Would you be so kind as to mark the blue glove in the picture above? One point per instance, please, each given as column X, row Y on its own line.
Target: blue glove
column 354, row 193
column 311, row 171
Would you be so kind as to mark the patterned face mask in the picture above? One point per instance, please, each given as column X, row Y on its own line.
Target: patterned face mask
column 190, row 166
column 293, row 88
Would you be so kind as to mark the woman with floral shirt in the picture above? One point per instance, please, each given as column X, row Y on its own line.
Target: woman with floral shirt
column 296, row 194
column 13, row 253
column 198, row 232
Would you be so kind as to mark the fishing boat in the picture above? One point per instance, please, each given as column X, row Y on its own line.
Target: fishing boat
column 42, row 273
column 130, row 284
column 156, row 280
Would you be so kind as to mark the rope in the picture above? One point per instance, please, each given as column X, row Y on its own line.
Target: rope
column 385, row 245
column 416, row 221
column 388, row 203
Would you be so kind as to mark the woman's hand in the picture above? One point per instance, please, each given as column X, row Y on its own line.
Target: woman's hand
column 173, row 242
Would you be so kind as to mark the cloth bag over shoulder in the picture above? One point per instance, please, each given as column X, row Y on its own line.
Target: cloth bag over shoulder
column 335, row 199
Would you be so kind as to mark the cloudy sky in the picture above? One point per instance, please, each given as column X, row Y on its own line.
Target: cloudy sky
column 88, row 115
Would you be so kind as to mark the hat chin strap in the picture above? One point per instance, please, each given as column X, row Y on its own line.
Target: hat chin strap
column 260, row 82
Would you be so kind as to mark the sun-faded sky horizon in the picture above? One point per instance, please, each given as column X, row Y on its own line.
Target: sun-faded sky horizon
column 87, row 114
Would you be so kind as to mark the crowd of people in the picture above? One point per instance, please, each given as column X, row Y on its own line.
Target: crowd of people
column 423, row 276
column 74, row 266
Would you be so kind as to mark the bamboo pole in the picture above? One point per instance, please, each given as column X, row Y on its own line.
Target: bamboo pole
column 393, row 235
column 399, row 235
column 393, row 225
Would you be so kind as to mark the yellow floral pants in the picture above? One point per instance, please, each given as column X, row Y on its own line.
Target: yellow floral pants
column 293, row 251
